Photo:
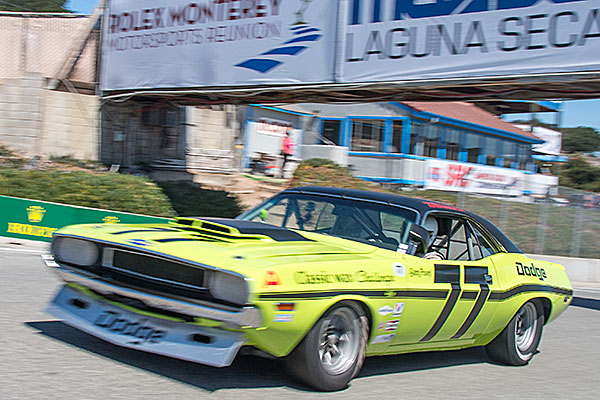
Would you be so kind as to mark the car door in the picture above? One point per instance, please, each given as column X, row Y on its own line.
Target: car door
column 449, row 296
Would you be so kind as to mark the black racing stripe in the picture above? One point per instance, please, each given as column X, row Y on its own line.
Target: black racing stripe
column 421, row 294
column 197, row 239
column 499, row 296
column 479, row 303
column 450, row 303
column 469, row 295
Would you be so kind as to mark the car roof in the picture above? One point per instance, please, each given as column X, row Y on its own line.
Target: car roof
column 422, row 206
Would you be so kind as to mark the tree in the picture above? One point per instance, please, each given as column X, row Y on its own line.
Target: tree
column 33, row 5
column 581, row 139
column 579, row 174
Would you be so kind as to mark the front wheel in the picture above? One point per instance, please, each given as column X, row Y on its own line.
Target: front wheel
column 333, row 351
column 519, row 341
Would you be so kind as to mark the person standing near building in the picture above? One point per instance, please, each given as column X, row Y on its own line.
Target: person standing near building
column 287, row 149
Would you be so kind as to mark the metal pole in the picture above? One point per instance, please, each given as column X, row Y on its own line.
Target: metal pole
column 577, row 228
column 541, row 229
column 504, row 215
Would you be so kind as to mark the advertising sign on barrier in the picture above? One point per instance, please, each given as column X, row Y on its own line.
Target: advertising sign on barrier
column 473, row 178
column 38, row 220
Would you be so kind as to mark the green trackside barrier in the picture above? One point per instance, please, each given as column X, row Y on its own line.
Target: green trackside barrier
column 37, row 220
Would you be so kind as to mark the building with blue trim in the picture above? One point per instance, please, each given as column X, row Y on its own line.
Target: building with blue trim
column 390, row 142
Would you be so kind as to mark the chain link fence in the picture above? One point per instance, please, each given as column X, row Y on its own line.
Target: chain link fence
column 564, row 225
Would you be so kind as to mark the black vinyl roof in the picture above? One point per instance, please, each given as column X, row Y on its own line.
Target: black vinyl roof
column 423, row 206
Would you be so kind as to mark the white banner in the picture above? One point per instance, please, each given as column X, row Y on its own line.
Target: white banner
column 473, row 178
column 151, row 44
column 389, row 40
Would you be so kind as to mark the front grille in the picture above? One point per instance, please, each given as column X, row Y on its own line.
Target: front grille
column 157, row 275
column 159, row 268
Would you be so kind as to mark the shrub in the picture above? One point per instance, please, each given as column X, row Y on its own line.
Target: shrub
column 110, row 191
column 189, row 199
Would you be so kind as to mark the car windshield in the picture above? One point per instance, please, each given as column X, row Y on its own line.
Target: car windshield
column 362, row 221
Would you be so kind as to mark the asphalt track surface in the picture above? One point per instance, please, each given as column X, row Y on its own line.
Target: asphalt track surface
column 42, row 358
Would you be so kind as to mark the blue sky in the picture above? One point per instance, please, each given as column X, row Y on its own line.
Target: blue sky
column 575, row 113
column 82, row 6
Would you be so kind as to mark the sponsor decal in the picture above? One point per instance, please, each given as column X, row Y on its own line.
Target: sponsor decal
column 385, row 310
column 399, row 270
column 383, row 338
column 392, row 325
column 398, row 309
column 419, row 272
column 283, row 318
column 381, row 325
column 540, row 273
column 271, row 279
column 139, row 330
column 322, row 277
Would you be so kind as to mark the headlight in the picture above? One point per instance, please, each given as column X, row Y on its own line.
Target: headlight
column 75, row 251
column 229, row 288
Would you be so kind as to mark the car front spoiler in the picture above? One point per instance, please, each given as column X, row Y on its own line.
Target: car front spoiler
column 245, row 317
column 210, row 346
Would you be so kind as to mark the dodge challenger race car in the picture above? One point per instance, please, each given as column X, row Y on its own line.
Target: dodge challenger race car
column 317, row 277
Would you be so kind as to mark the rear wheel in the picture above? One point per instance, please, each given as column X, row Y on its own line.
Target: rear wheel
column 333, row 351
column 519, row 341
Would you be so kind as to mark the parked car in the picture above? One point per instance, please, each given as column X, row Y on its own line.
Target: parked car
column 317, row 277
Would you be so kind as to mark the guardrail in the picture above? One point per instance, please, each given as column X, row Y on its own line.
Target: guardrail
column 578, row 269
column 37, row 220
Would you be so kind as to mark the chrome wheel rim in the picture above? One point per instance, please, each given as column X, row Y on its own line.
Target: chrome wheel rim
column 525, row 329
column 339, row 341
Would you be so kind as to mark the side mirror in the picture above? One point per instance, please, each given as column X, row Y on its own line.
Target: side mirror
column 418, row 238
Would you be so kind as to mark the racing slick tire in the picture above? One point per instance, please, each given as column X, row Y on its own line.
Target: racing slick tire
column 519, row 341
column 333, row 351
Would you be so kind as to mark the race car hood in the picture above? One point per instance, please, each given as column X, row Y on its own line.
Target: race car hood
column 223, row 243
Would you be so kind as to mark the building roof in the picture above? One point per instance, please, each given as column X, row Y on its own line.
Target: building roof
column 467, row 112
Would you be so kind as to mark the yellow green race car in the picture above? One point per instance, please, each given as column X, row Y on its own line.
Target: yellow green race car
column 318, row 277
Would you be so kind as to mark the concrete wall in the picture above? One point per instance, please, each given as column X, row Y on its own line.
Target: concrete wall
column 36, row 121
column 580, row 270
column 211, row 134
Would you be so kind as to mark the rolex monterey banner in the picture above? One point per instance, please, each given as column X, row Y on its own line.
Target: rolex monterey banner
column 153, row 44
column 183, row 43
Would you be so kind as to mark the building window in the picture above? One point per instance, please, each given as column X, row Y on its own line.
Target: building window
column 431, row 140
column 367, row 135
column 473, row 147
column 331, row 130
column 452, row 144
column 509, row 153
column 396, row 136
column 523, row 156
column 492, row 149
column 416, row 138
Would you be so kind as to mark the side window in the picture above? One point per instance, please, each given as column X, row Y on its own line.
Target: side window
column 458, row 246
column 481, row 246
column 452, row 238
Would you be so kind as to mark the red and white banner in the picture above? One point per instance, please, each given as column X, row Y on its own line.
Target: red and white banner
column 473, row 178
